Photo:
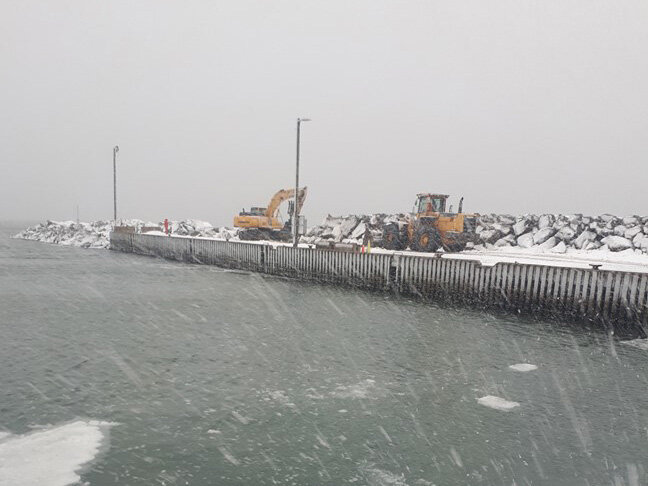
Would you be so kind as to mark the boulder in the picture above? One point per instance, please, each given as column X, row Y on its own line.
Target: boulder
column 502, row 242
column 583, row 238
column 490, row 236
column 574, row 218
column 543, row 235
column 546, row 220
column 630, row 233
column 506, row 219
column 559, row 248
column 525, row 240
column 549, row 243
column 522, row 226
column 502, row 228
column 620, row 230
column 643, row 245
column 606, row 218
column 593, row 245
column 605, row 231
column 359, row 231
column 617, row 243
column 638, row 238
column 631, row 220
column 566, row 234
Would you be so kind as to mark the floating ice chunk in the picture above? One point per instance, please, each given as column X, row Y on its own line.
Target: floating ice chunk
column 53, row 456
column 637, row 343
column 497, row 403
column 523, row 367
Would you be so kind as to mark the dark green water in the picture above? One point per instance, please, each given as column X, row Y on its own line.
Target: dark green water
column 217, row 377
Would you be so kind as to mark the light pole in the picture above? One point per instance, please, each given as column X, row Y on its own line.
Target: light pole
column 115, row 150
column 296, row 210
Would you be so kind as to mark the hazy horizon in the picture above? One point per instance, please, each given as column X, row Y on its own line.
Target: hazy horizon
column 519, row 106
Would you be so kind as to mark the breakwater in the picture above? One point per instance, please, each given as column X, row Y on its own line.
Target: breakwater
column 614, row 299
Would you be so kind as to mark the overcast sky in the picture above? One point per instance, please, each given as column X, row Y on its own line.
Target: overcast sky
column 520, row 106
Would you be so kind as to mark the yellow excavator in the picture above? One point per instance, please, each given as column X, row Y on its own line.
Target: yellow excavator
column 262, row 223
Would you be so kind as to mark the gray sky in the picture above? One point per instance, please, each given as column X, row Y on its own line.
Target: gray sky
column 520, row 106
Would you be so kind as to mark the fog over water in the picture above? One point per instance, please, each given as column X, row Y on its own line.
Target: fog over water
column 519, row 106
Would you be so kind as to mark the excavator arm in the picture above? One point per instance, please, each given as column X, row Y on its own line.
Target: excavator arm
column 283, row 195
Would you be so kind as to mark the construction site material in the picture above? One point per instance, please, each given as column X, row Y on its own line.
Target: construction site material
column 546, row 233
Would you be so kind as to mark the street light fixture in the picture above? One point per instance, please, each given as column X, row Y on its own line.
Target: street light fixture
column 115, row 150
column 296, row 209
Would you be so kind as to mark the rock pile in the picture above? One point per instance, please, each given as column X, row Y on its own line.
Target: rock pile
column 558, row 232
column 70, row 233
column 547, row 232
column 352, row 228
column 97, row 233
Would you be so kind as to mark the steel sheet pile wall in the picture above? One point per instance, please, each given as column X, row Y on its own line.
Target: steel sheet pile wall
column 616, row 298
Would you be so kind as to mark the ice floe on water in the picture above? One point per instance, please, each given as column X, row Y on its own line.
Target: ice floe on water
column 523, row 367
column 53, row 456
column 637, row 343
column 497, row 403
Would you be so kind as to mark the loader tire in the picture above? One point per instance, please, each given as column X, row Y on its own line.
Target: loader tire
column 392, row 239
column 426, row 239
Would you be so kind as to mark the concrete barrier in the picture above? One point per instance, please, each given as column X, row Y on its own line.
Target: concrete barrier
column 618, row 300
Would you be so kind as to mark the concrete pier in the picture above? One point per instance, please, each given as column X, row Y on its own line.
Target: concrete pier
column 615, row 299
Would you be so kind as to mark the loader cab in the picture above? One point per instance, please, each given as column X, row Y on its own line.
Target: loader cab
column 430, row 203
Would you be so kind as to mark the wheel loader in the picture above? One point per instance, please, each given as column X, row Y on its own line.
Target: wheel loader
column 429, row 227
column 262, row 223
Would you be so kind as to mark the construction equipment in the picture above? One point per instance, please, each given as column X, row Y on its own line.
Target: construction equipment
column 429, row 227
column 263, row 224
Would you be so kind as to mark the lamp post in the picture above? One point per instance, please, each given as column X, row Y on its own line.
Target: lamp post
column 115, row 150
column 296, row 210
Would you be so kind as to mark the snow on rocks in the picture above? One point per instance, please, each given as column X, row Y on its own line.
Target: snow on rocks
column 551, row 233
column 69, row 233
column 97, row 233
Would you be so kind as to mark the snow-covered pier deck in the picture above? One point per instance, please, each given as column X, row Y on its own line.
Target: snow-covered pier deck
column 615, row 298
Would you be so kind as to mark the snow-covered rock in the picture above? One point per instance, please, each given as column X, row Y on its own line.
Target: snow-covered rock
column 583, row 238
column 630, row 233
column 543, row 235
column 566, row 233
column 546, row 220
column 549, row 243
column 525, row 240
column 522, row 226
column 617, row 243
column 559, row 248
